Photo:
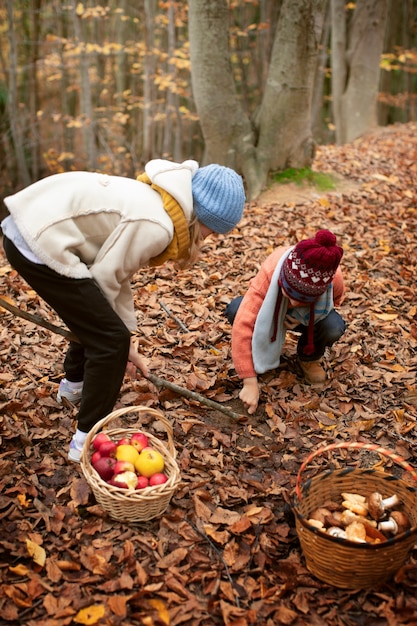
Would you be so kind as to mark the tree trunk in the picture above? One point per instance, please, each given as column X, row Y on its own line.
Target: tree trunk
column 226, row 128
column 357, row 44
column 280, row 136
column 35, row 14
column 85, row 92
column 148, row 86
column 13, row 103
column 284, row 121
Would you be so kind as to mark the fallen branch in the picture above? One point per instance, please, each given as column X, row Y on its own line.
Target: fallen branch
column 192, row 395
column 37, row 319
column 158, row 382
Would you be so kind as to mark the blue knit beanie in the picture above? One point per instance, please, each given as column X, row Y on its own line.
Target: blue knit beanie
column 219, row 197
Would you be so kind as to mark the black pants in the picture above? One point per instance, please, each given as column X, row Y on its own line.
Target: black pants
column 100, row 357
column 326, row 332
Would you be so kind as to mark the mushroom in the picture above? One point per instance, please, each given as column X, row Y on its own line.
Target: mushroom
column 373, row 535
column 334, row 519
column 356, row 503
column 316, row 523
column 335, row 531
column 320, row 515
column 356, row 532
column 347, row 517
column 332, row 505
column 378, row 506
column 396, row 524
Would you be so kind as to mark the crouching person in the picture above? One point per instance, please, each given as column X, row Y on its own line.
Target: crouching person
column 296, row 289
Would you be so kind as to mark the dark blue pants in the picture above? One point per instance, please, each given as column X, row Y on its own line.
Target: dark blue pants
column 100, row 357
column 326, row 331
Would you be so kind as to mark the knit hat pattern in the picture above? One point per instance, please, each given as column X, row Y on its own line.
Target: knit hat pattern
column 219, row 197
column 310, row 267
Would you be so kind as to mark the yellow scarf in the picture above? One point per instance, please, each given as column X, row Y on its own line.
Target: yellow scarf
column 180, row 243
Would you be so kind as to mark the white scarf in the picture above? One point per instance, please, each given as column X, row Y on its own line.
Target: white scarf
column 266, row 353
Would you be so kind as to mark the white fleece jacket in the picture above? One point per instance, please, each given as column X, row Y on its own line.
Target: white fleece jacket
column 90, row 225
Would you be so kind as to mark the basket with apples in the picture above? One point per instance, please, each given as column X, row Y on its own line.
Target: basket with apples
column 132, row 473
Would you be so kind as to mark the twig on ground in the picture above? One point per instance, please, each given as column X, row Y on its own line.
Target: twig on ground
column 192, row 395
column 158, row 382
column 174, row 317
column 37, row 319
column 182, row 325
column 219, row 554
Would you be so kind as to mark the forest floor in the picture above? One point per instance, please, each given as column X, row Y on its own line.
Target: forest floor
column 227, row 550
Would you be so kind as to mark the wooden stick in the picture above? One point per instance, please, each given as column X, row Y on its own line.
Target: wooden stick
column 37, row 319
column 158, row 382
column 192, row 395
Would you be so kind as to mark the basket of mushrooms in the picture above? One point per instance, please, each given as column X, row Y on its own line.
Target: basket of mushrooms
column 356, row 526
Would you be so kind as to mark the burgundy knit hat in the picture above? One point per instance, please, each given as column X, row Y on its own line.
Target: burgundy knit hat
column 310, row 267
column 306, row 274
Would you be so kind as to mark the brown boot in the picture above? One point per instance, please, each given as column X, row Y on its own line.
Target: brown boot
column 313, row 371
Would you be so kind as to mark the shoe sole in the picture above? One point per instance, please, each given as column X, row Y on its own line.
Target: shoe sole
column 61, row 397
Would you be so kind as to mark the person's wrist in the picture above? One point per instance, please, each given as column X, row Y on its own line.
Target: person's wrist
column 250, row 382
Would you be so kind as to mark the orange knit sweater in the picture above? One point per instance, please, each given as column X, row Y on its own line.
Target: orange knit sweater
column 244, row 322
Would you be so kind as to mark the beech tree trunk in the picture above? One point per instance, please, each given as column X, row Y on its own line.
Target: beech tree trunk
column 226, row 128
column 357, row 43
column 279, row 136
column 13, row 102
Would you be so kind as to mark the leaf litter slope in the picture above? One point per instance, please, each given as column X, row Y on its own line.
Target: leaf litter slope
column 226, row 550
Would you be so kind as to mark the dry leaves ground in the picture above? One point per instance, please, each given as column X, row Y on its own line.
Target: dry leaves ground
column 226, row 551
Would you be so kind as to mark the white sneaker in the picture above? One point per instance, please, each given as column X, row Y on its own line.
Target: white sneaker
column 70, row 391
column 74, row 453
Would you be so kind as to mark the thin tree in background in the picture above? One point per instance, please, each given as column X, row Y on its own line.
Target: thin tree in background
column 357, row 42
column 13, row 101
column 87, row 111
column 148, row 82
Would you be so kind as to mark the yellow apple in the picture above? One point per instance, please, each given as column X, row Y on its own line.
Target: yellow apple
column 149, row 462
column 126, row 452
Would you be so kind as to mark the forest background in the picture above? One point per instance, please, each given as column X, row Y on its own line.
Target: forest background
column 107, row 85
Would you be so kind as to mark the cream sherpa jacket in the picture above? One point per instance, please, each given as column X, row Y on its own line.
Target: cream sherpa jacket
column 90, row 225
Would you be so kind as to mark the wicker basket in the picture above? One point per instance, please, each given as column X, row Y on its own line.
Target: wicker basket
column 339, row 562
column 144, row 504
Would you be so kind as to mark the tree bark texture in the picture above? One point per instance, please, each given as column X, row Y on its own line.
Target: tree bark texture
column 357, row 44
column 279, row 136
column 13, row 101
column 284, row 121
column 226, row 127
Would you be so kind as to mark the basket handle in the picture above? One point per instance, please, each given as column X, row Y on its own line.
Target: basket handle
column 353, row 445
column 138, row 409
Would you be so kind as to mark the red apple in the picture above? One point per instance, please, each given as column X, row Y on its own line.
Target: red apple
column 104, row 467
column 99, row 439
column 108, row 448
column 123, row 466
column 126, row 480
column 149, row 462
column 139, row 441
column 158, row 479
column 125, row 441
column 95, row 457
column 142, row 482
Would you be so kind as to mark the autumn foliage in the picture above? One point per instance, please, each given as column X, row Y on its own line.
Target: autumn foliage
column 226, row 551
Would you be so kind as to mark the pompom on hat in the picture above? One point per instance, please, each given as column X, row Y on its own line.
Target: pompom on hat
column 310, row 267
column 219, row 197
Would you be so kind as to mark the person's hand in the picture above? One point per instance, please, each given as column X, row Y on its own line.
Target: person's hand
column 290, row 322
column 136, row 362
column 250, row 394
